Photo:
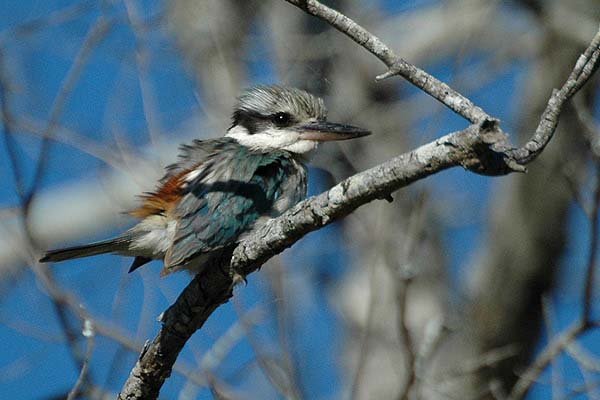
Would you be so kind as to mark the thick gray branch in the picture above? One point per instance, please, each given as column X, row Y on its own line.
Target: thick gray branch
column 481, row 148
column 397, row 66
column 470, row 148
column 212, row 287
column 584, row 68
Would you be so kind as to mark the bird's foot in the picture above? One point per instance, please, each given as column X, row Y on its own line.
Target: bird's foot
column 238, row 278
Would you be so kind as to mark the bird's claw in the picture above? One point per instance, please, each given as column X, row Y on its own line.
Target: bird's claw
column 238, row 278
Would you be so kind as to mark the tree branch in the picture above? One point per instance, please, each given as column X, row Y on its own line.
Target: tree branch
column 481, row 148
column 397, row 66
column 213, row 286
column 470, row 148
column 583, row 70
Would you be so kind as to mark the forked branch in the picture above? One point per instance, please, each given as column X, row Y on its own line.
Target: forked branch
column 481, row 148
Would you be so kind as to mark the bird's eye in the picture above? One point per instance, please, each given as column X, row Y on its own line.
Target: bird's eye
column 282, row 119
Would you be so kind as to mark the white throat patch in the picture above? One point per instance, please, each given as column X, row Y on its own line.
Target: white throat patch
column 272, row 139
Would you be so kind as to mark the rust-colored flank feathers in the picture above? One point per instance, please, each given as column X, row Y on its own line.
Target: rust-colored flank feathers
column 163, row 200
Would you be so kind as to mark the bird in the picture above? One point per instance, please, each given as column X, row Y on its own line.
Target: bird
column 221, row 190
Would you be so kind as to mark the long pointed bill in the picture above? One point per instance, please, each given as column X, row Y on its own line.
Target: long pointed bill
column 323, row 131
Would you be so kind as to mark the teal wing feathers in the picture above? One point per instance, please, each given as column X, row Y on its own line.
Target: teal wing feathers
column 228, row 193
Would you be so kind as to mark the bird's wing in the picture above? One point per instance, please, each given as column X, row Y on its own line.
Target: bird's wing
column 170, row 188
column 223, row 198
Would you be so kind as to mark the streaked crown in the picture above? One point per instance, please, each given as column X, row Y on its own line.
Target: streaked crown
column 283, row 118
column 261, row 105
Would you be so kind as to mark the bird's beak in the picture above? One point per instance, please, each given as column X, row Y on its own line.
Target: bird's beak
column 324, row 131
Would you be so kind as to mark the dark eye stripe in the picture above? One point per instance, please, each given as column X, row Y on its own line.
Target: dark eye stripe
column 255, row 122
column 249, row 120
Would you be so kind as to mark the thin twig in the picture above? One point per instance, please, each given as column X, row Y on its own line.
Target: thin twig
column 557, row 380
column 583, row 358
column 554, row 348
column 365, row 340
column 88, row 332
column 289, row 387
column 584, row 68
column 593, row 255
column 94, row 35
column 405, row 338
column 149, row 103
column 54, row 18
column 591, row 130
column 62, row 134
column 404, row 274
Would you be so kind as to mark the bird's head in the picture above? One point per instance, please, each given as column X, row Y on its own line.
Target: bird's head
column 281, row 118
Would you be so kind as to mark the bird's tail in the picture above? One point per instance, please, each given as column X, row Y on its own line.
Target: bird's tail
column 107, row 246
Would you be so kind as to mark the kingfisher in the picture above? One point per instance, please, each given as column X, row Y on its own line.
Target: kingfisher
column 222, row 189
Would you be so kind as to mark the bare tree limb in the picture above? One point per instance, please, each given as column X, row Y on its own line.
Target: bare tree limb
column 584, row 68
column 480, row 148
column 397, row 66
column 213, row 286
column 88, row 332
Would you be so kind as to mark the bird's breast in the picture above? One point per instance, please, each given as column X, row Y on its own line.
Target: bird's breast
column 293, row 189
